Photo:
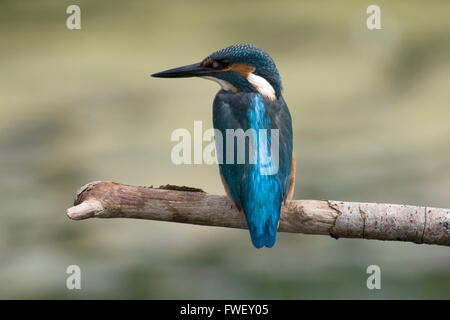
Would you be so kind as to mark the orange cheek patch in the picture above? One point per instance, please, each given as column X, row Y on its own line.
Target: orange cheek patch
column 241, row 68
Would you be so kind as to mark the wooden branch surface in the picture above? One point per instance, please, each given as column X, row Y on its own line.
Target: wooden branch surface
column 334, row 218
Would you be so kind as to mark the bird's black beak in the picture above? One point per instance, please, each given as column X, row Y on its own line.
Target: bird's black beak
column 192, row 70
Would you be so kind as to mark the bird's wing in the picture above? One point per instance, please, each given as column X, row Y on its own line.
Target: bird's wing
column 252, row 186
column 281, row 119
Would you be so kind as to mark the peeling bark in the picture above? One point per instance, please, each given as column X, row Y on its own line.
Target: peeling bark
column 337, row 219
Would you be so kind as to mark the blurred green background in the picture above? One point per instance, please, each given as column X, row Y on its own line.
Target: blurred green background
column 371, row 114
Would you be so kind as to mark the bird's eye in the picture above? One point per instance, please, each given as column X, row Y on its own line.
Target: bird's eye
column 216, row 64
column 224, row 63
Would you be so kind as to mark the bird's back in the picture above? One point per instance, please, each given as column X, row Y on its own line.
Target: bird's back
column 257, row 187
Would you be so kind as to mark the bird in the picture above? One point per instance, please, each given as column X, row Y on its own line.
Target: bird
column 250, row 98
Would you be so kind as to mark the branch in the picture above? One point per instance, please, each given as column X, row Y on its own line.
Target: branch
column 334, row 218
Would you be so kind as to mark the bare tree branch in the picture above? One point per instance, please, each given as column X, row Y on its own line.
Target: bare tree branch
column 334, row 218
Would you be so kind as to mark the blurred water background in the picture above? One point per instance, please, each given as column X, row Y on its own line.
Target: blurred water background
column 371, row 114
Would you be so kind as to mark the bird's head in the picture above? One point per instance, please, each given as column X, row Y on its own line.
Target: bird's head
column 240, row 67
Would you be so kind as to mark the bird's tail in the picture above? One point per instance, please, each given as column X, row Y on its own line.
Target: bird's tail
column 263, row 226
column 267, row 238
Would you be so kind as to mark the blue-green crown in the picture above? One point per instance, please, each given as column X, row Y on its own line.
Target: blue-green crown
column 246, row 53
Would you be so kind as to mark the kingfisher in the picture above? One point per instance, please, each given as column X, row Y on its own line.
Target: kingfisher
column 250, row 100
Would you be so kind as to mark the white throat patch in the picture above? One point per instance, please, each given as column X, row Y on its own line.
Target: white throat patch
column 262, row 86
column 259, row 83
column 225, row 85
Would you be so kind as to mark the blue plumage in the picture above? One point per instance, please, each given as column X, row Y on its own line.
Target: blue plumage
column 250, row 101
column 251, row 55
column 257, row 194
